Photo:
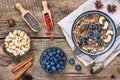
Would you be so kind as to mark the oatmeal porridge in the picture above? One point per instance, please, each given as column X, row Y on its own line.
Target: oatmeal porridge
column 93, row 33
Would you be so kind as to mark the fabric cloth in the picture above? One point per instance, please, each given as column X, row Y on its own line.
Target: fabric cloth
column 67, row 22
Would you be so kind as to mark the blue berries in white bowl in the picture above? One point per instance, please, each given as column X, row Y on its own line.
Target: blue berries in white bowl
column 53, row 60
column 93, row 32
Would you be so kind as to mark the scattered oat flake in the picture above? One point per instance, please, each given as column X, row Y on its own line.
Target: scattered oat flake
column 98, row 4
column 48, row 33
column 52, row 37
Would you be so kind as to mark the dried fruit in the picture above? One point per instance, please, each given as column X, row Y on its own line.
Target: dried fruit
column 52, row 37
column 11, row 22
column 98, row 4
column 48, row 33
column 111, row 8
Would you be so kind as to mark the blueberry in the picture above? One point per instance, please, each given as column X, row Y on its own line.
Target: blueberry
column 51, row 58
column 48, row 66
column 48, row 50
column 60, row 58
column 47, row 57
column 53, row 68
column 62, row 67
column 99, row 41
column 97, row 34
column 50, row 53
column 42, row 58
column 46, row 63
column 57, row 55
column 83, row 39
column 55, row 60
column 93, row 27
column 54, row 52
column 99, row 28
column 90, row 34
column 62, row 54
column 86, row 26
column 60, row 70
column 77, row 67
column 43, row 62
column 58, row 66
column 43, row 66
column 54, row 49
column 44, row 54
column 50, row 71
column 71, row 61
column 64, row 58
column 61, row 62
column 47, row 70
column 58, row 51
column 52, row 63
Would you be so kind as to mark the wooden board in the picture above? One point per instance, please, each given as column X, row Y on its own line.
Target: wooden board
column 59, row 9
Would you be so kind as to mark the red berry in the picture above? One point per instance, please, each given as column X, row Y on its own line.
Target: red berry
column 48, row 33
column 52, row 37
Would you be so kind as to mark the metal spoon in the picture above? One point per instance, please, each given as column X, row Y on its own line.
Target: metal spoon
column 98, row 67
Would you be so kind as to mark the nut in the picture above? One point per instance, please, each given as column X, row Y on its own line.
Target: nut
column 105, row 25
column 109, row 32
column 109, row 37
column 101, row 20
column 17, row 43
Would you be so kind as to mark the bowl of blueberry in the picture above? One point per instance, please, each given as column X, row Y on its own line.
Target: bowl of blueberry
column 93, row 32
column 53, row 60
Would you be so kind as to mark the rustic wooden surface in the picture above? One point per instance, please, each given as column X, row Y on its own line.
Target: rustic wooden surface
column 59, row 9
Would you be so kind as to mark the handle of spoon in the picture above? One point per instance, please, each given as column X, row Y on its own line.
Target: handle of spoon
column 111, row 58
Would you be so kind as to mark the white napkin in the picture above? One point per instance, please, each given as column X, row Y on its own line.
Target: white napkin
column 67, row 22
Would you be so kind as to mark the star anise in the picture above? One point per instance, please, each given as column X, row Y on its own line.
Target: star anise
column 98, row 4
column 11, row 22
column 111, row 8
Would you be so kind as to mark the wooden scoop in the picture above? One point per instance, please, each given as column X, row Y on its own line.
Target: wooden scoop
column 46, row 13
column 28, row 18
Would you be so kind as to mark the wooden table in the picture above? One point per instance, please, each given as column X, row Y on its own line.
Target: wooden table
column 40, row 41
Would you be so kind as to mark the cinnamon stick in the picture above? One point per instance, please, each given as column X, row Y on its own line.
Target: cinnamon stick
column 21, row 64
column 22, row 71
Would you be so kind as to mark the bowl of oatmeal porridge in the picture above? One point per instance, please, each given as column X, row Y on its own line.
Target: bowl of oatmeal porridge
column 93, row 32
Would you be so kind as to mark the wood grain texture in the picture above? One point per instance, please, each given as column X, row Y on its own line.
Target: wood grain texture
column 59, row 9
column 69, row 73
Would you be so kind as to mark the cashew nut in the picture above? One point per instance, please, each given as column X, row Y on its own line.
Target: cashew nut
column 101, row 20
column 18, row 32
column 9, row 50
column 6, row 44
column 108, row 39
column 15, row 32
column 22, row 34
column 85, row 48
column 109, row 32
column 13, row 47
column 17, row 42
column 15, row 53
column 11, row 35
column 25, row 49
column 105, row 25
column 21, row 52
